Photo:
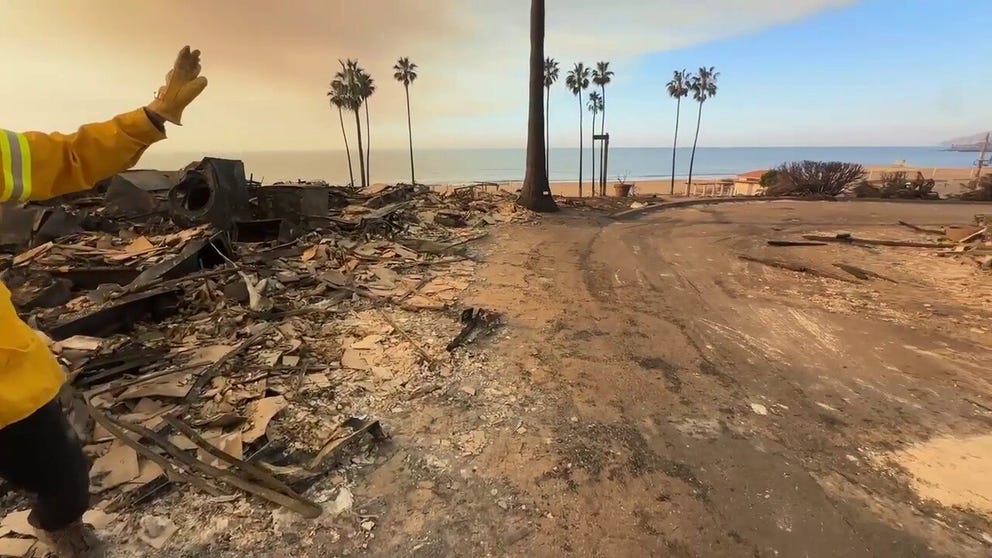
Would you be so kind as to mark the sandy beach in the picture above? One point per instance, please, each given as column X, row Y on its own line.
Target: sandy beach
column 949, row 180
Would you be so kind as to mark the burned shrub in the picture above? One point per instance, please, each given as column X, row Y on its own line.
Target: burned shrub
column 814, row 178
column 896, row 185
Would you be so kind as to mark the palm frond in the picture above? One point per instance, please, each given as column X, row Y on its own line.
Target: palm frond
column 602, row 75
column 405, row 71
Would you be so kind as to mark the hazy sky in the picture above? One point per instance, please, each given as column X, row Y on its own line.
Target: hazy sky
column 793, row 72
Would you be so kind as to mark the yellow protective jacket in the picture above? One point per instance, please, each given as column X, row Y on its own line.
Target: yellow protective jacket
column 37, row 166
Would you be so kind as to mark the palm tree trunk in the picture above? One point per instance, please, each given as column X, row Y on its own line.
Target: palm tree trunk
column 675, row 142
column 692, row 158
column 347, row 149
column 602, row 152
column 361, row 154
column 580, row 143
column 368, row 144
column 547, row 134
column 409, row 129
column 535, row 194
column 594, row 155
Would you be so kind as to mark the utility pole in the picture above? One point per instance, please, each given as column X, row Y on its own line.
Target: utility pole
column 982, row 162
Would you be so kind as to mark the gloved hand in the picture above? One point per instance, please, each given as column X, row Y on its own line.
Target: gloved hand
column 182, row 84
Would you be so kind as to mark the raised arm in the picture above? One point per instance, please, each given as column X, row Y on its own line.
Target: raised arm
column 35, row 165
column 39, row 166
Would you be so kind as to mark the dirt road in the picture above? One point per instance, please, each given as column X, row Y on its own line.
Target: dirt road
column 653, row 394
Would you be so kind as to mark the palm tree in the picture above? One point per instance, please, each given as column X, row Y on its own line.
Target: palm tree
column 677, row 88
column 703, row 86
column 601, row 76
column 349, row 76
column 536, row 192
column 550, row 77
column 406, row 72
column 366, row 87
column 577, row 80
column 595, row 107
column 339, row 99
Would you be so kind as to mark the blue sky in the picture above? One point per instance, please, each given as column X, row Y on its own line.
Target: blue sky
column 879, row 72
column 793, row 72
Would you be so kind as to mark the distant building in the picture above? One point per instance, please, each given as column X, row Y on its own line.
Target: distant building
column 749, row 183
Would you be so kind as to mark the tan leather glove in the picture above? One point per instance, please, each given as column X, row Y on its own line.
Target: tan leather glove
column 182, row 84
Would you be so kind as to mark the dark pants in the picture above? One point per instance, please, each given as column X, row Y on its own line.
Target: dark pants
column 41, row 456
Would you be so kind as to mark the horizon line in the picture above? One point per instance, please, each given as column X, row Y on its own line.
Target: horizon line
column 404, row 149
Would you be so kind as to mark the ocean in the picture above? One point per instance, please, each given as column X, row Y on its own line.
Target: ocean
column 438, row 166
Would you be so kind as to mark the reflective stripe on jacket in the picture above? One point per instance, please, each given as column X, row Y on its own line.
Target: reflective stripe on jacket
column 36, row 166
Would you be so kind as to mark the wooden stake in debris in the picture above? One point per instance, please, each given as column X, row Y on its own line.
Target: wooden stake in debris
column 420, row 350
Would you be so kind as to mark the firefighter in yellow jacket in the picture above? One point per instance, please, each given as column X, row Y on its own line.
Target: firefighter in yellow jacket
column 37, row 452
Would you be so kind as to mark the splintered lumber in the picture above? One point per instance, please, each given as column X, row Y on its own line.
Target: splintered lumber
column 260, row 474
column 921, row 229
column 173, row 473
column 863, row 274
column 799, row 268
column 977, row 234
column 848, row 239
column 298, row 504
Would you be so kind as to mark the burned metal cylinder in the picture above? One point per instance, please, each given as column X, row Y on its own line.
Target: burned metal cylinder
column 212, row 191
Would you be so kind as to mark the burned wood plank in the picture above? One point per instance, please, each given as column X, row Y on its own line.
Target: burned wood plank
column 196, row 256
column 119, row 316
column 848, row 239
column 798, row 268
column 795, row 243
column 88, row 278
column 863, row 274
column 921, row 229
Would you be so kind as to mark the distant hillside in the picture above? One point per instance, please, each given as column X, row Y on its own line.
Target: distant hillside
column 965, row 139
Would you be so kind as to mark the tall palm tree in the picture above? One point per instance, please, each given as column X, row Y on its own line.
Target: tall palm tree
column 677, row 88
column 349, row 77
column 366, row 87
column 550, row 77
column 577, row 80
column 535, row 194
column 595, row 106
column 703, row 86
column 339, row 99
column 602, row 76
column 406, row 73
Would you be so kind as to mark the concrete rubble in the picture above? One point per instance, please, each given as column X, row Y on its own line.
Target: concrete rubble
column 231, row 338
